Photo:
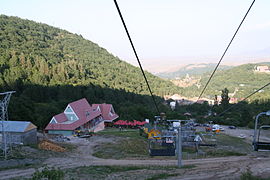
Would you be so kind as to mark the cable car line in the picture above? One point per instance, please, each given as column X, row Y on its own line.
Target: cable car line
column 225, row 50
column 134, row 50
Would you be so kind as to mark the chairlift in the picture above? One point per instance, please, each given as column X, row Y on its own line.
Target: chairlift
column 260, row 145
column 161, row 147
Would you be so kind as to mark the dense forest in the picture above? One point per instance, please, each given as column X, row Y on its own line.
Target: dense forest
column 40, row 54
column 49, row 67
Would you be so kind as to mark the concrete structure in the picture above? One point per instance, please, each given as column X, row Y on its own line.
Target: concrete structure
column 19, row 132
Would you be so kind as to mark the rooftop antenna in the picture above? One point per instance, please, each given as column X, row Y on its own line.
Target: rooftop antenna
column 4, row 117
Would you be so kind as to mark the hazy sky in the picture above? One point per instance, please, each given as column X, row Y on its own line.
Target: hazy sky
column 164, row 32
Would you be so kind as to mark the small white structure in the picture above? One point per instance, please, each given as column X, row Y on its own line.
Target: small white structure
column 176, row 124
column 172, row 105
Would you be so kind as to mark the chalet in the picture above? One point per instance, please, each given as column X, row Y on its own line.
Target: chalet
column 107, row 112
column 81, row 116
column 18, row 132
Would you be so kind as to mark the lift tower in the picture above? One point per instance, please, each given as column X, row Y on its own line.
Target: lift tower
column 4, row 117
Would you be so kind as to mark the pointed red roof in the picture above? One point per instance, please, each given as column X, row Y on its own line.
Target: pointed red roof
column 82, row 109
column 60, row 118
column 107, row 111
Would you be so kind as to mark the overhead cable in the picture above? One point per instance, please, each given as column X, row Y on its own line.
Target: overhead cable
column 225, row 50
column 134, row 50
column 244, row 99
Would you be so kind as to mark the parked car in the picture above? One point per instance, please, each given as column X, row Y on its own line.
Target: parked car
column 232, row 127
column 221, row 129
column 206, row 125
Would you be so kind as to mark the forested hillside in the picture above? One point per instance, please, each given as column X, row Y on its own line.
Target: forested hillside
column 242, row 80
column 49, row 67
column 40, row 54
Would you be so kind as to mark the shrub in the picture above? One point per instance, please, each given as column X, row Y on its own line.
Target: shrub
column 50, row 174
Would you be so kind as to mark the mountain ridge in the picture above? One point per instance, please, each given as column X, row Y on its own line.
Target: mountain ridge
column 191, row 69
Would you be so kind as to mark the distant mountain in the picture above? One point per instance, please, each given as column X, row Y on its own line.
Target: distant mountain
column 192, row 69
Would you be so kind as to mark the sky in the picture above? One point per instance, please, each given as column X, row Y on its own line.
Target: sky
column 166, row 33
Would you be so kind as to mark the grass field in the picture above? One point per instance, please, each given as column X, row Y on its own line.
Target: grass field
column 130, row 145
column 123, row 172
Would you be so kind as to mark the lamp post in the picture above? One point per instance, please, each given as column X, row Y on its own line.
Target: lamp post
column 256, row 124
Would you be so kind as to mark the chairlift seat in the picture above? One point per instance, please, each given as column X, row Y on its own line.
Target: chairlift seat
column 261, row 146
column 161, row 148
column 162, row 152
column 165, row 144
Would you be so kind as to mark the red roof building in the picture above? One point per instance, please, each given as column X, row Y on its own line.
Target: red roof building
column 107, row 112
column 80, row 115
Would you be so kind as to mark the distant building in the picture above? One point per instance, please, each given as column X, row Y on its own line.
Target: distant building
column 19, row 132
column 264, row 69
column 183, row 102
column 173, row 97
column 172, row 105
column 81, row 116
column 233, row 100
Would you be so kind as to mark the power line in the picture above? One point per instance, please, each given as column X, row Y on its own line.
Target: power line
column 225, row 50
column 124, row 24
column 244, row 99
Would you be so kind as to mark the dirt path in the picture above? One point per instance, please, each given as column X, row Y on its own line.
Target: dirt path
column 212, row 168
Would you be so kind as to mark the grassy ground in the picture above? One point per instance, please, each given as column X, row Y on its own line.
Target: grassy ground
column 225, row 146
column 130, row 144
column 30, row 156
column 123, row 172
column 133, row 133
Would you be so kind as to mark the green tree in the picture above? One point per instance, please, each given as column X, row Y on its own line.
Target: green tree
column 225, row 98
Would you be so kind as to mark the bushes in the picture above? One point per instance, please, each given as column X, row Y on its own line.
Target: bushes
column 50, row 174
column 248, row 176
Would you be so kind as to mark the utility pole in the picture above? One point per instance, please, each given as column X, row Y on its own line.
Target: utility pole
column 4, row 117
column 179, row 150
column 177, row 125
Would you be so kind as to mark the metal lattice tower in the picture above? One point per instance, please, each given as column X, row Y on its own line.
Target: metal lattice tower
column 4, row 117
